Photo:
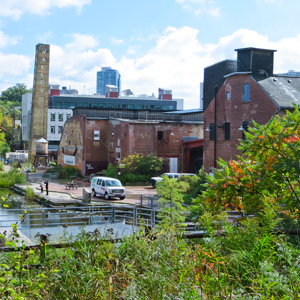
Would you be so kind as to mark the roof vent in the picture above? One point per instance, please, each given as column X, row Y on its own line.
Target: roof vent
column 274, row 80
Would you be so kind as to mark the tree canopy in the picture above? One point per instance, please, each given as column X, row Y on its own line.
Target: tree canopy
column 14, row 94
column 269, row 168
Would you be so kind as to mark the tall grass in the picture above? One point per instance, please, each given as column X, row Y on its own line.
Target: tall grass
column 8, row 179
column 160, row 267
column 29, row 195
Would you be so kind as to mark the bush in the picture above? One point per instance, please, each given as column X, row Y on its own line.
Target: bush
column 1, row 166
column 130, row 177
column 66, row 172
column 111, row 171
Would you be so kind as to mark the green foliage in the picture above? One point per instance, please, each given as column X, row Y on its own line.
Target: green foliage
column 1, row 166
column 196, row 186
column 142, row 165
column 111, row 171
column 172, row 212
column 66, row 172
column 247, row 262
column 269, row 168
column 29, row 195
column 12, row 177
column 14, row 94
column 131, row 177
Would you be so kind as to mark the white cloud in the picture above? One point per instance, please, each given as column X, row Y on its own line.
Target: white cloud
column 201, row 6
column 116, row 41
column 6, row 40
column 176, row 61
column 15, row 69
column 15, row 8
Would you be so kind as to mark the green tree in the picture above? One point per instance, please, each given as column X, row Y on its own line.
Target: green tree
column 13, row 95
column 172, row 211
column 269, row 169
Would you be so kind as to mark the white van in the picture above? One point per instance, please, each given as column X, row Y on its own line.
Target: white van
column 155, row 180
column 107, row 187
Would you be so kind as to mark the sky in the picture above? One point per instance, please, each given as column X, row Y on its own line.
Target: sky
column 157, row 43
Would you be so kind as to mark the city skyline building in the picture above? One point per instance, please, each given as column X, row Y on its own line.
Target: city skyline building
column 108, row 76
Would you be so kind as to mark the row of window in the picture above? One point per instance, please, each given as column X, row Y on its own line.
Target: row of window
column 60, row 117
column 114, row 105
column 246, row 96
column 59, row 129
column 212, row 128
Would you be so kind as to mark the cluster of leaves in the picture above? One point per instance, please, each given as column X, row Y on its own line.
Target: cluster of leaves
column 248, row 263
column 269, row 169
column 143, row 165
column 9, row 99
column 8, row 179
column 137, row 168
column 66, row 172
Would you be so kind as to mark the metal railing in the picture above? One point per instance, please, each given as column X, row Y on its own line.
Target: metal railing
column 77, row 216
column 150, row 201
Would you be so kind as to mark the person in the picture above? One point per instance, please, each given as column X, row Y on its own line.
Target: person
column 46, row 186
column 42, row 186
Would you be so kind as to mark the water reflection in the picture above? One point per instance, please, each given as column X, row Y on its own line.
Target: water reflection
column 12, row 205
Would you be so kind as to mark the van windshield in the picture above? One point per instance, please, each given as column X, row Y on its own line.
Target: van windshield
column 113, row 183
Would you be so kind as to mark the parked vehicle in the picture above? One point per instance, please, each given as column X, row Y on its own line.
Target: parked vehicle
column 155, row 180
column 107, row 187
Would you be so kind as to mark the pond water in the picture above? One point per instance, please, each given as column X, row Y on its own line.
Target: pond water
column 15, row 204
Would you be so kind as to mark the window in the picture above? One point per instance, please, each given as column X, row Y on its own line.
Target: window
column 68, row 116
column 52, row 118
column 160, row 135
column 60, row 117
column 245, row 126
column 227, row 131
column 246, row 92
column 96, row 135
column 228, row 95
column 60, row 129
column 52, row 129
column 212, row 128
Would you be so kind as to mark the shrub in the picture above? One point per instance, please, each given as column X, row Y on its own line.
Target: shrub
column 66, row 172
column 142, row 165
column 130, row 177
column 111, row 171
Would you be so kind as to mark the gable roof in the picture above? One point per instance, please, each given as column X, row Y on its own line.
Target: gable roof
column 283, row 90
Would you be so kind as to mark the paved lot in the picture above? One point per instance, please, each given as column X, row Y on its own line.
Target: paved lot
column 58, row 193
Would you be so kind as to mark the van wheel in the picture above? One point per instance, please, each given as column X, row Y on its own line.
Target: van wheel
column 122, row 198
column 94, row 193
column 106, row 196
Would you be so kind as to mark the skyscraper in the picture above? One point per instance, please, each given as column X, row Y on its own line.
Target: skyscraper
column 108, row 76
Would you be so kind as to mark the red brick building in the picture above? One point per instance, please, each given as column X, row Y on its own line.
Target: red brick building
column 91, row 139
column 250, row 93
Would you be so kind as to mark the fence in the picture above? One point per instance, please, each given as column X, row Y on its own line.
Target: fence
column 150, row 201
column 36, row 177
column 77, row 216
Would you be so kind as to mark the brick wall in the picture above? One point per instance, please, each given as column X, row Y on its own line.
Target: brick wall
column 260, row 108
